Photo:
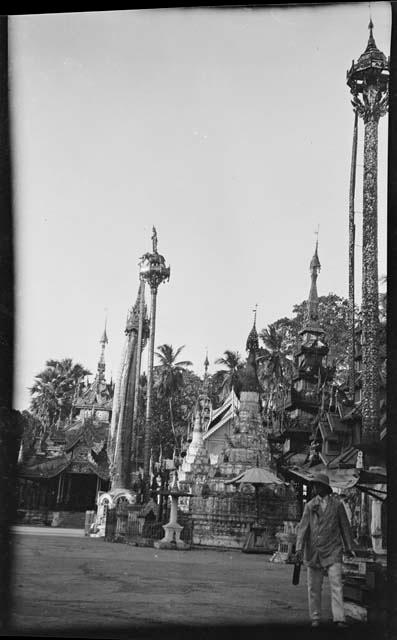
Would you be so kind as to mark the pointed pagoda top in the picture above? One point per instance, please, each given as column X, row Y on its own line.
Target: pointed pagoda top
column 249, row 376
column 252, row 340
column 315, row 262
column 104, row 338
column 133, row 314
column 312, row 324
column 372, row 60
column 206, row 363
column 371, row 48
column 101, row 362
column 371, row 40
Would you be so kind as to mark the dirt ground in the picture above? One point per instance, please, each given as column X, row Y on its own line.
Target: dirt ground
column 65, row 583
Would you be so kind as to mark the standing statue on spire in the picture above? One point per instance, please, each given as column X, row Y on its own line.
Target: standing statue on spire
column 154, row 239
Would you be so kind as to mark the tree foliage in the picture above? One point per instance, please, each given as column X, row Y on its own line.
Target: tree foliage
column 53, row 390
column 281, row 339
column 175, row 392
column 230, row 376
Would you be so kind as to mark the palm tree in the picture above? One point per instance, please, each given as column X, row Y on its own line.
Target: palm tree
column 275, row 360
column 230, row 376
column 274, row 354
column 170, row 376
column 54, row 388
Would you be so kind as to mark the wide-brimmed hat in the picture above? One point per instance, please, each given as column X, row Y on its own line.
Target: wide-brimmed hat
column 321, row 478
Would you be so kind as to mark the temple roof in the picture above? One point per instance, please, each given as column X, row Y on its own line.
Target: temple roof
column 47, row 468
column 89, row 438
column 223, row 414
column 98, row 395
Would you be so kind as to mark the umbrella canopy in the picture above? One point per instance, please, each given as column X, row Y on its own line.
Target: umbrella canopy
column 255, row 476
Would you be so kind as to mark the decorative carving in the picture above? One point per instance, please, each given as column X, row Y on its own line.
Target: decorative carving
column 373, row 105
column 80, row 467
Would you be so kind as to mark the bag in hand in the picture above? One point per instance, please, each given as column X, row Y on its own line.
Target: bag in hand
column 297, row 572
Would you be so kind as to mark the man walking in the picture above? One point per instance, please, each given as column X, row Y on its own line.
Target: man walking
column 321, row 534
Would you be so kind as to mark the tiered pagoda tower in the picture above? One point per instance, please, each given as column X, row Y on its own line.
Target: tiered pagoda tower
column 96, row 400
column 223, row 513
column 304, row 400
column 247, row 446
column 368, row 81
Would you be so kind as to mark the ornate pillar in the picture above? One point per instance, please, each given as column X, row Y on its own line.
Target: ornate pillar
column 147, row 441
column 154, row 272
column 368, row 82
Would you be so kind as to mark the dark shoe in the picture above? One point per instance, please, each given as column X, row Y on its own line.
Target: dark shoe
column 315, row 623
column 341, row 625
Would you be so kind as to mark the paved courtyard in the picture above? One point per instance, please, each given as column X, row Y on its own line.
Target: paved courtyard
column 64, row 581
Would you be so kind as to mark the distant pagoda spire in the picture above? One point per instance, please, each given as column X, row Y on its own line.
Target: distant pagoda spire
column 312, row 324
column 206, row 379
column 252, row 340
column 101, row 362
column 250, row 380
column 206, row 364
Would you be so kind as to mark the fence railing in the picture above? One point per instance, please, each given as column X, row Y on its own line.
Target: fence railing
column 126, row 524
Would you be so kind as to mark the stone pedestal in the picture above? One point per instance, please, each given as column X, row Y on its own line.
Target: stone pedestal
column 172, row 537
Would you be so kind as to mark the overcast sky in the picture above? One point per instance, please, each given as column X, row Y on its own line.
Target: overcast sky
column 230, row 130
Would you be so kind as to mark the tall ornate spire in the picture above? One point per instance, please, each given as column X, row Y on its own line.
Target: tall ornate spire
column 312, row 320
column 154, row 271
column 368, row 80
